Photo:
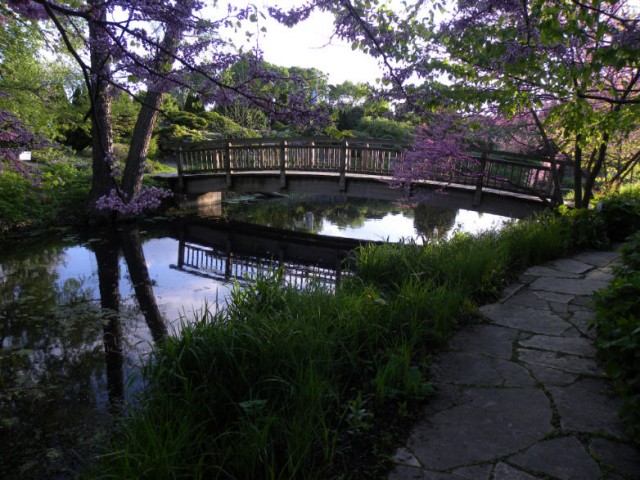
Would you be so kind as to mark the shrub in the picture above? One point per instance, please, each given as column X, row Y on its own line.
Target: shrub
column 621, row 213
column 617, row 326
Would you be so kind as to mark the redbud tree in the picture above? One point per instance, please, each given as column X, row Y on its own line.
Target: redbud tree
column 571, row 66
column 125, row 47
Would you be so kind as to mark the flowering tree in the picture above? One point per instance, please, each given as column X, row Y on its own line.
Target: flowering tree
column 15, row 138
column 122, row 46
column 570, row 65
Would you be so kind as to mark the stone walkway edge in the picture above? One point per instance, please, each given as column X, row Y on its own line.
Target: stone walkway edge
column 521, row 396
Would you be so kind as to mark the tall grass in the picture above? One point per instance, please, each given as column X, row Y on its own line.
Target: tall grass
column 287, row 384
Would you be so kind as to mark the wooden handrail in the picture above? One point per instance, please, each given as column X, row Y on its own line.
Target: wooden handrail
column 489, row 169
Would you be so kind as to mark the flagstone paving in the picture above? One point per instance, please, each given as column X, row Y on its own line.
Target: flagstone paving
column 522, row 397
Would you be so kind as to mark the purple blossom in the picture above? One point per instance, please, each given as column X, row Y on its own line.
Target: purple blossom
column 147, row 199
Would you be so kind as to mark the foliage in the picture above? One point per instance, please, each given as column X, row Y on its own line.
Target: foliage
column 57, row 196
column 385, row 128
column 160, row 45
column 226, row 127
column 617, row 326
column 34, row 86
column 569, row 67
column 621, row 212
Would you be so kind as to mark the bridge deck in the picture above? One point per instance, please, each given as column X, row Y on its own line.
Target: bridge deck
column 362, row 166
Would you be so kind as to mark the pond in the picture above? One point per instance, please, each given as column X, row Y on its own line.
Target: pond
column 81, row 311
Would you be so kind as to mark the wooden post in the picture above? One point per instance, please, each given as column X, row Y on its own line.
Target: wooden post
column 227, row 162
column 283, row 164
column 477, row 197
column 342, row 184
column 180, row 172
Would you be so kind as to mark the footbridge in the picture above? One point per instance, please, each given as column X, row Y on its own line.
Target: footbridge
column 359, row 168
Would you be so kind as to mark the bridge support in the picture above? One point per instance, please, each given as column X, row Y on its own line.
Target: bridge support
column 211, row 201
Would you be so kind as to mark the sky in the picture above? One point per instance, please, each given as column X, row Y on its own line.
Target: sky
column 309, row 45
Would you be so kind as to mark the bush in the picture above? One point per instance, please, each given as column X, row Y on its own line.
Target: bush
column 55, row 193
column 385, row 129
column 226, row 127
column 617, row 326
column 189, row 120
column 621, row 213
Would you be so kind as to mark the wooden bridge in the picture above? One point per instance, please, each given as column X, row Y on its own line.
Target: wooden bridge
column 354, row 167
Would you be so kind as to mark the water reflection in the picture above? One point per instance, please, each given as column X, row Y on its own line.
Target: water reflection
column 78, row 315
column 360, row 218
column 236, row 252
column 65, row 357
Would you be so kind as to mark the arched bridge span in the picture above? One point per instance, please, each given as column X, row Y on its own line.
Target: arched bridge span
column 356, row 167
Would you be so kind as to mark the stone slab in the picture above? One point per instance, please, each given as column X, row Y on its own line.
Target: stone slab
column 563, row 458
column 623, row 458
column 554, row 297
column 487, row 424
column 507, row 472
column 570, row 265
column 475, row 472
column 404, row 456
column 402, row 472
column 462, row 368
column 545, row 271
column 527, row 299
column 588, row 406
column 597, row 258
column 492, row 340
column 551, row 376
column 564, row 362
column 582, row 286
column 575, row 346
column 526, row 319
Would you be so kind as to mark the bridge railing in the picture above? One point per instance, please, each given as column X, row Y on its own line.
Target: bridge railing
column 504, row 171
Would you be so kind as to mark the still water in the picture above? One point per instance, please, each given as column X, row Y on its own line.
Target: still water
column 80, row 312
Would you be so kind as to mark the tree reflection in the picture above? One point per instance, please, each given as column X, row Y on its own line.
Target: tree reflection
column 307, row 212
column 106, row 252
column 432, row 221
column 139, row 274
column 62, row 350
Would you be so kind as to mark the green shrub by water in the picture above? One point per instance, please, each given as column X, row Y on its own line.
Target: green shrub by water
column 54, row 194
column 296, row 384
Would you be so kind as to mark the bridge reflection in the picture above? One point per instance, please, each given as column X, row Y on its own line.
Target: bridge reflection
column 238, row 252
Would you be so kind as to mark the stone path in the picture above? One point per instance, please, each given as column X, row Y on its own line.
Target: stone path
column 521, row 397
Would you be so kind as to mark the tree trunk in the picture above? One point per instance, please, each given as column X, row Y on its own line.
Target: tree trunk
column 139, row 274
column 106, row 253
column 551, row 152
column 577, row 173
column 102, row 138
column 595, row 170
column 137, row 157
